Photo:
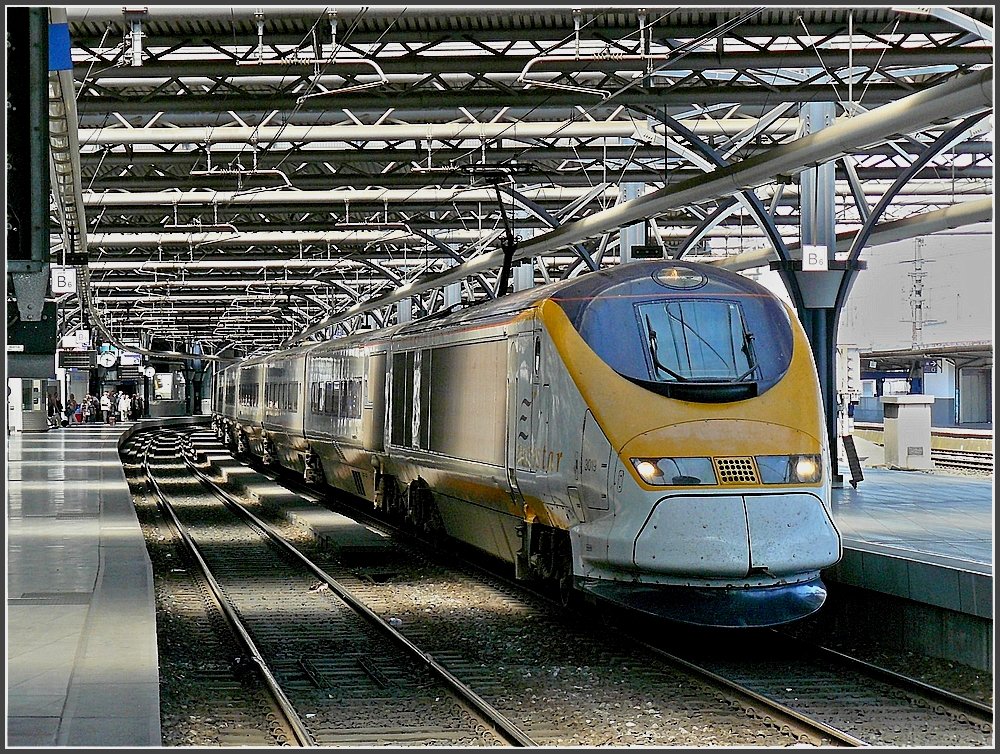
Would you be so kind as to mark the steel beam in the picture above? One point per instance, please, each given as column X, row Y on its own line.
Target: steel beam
column 958, row 97
column 925, row 223
column 394, row 132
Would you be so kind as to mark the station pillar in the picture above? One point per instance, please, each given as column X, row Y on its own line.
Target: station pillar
column 817, row 276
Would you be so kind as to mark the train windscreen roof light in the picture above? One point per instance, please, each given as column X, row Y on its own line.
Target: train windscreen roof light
column 680, row 277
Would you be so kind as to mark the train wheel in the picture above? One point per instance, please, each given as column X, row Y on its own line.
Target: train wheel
column 313, row 472
column 565, row 582
column 270, row 453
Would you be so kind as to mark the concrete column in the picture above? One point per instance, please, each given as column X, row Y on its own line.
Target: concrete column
column 452, row 294
column 404, row 310
column 524, row 276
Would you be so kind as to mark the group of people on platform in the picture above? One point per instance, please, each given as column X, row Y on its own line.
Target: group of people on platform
column 112, row 406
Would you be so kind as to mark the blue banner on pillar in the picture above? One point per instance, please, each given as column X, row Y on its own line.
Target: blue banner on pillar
column 59, row 49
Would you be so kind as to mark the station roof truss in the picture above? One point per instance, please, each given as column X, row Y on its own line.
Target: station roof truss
column 246, row 172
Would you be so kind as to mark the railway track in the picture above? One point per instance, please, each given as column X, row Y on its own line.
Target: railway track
column 449, row 620
column 386, row 582
column 338, row 673
column 962, row 459
column 857, row 701
column 835, row 693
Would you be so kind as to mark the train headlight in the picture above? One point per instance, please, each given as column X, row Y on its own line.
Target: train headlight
column 790, row 469
column 648, row 470
column 675, row 472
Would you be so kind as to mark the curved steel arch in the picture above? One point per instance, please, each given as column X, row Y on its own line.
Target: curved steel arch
column 441, row 245
column 542, row 214
column 720, row 213
column 939, row 145
column 754, row 204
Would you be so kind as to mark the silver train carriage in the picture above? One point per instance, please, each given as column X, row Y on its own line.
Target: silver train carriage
column 651, row 434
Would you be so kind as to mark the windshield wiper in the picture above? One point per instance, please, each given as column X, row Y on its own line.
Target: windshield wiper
column 749, row 353
column 651, row 338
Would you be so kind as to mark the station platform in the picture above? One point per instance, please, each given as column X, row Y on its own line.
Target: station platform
column 925, row 539
column 937, row 516
column 82, row 666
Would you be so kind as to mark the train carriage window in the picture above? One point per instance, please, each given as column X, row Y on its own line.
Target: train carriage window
column 328, row 403
column 402, row 398
column 536, row 373
column 335, row 399
column 340, row 406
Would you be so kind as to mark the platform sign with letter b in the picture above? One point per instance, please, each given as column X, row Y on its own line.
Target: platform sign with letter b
column 63, row 279
column 814, row 258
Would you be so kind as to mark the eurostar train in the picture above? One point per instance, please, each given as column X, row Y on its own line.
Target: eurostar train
column 651, row 434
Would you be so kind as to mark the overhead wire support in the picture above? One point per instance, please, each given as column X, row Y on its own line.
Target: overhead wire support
column 509, row 243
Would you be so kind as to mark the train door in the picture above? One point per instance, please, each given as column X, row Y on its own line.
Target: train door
column 373, row 409
column 522, row 394
column 595, row 461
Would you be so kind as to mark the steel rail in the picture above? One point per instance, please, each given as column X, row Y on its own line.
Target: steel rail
column 966, row 705
column 792, row 717
column 818, row 727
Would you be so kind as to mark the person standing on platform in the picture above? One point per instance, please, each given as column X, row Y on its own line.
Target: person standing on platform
column 71, row 407
column 55, row 411
column 124, row 406
column 106, row 414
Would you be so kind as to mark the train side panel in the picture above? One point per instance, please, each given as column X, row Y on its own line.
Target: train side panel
column 249, row 405
column 336, row 385
column 446, row 428
column 284, row 400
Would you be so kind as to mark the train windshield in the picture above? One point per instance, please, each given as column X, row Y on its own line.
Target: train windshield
column 683, row 330
column 697, row 340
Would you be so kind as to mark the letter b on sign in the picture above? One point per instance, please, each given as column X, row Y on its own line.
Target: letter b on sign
column 814, row 258
column 63, row 279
